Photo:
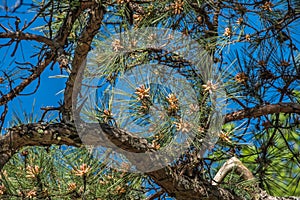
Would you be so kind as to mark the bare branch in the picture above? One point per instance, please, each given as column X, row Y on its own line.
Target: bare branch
column 36, row 73
column 58, row 43
column 27, row 36
column 263, row 110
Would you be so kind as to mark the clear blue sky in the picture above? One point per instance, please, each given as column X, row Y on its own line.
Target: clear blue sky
column 49, row 87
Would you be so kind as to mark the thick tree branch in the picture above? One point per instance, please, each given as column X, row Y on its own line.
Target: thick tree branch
column 46, row 134
column 36, row 134
column 81, row 51
column 171, row 181
column 263, row 110
column 41, row 134
column 183, row 187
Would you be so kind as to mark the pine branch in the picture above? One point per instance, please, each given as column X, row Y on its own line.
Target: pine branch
column 81, row 51
column 41, row 134
column 263, row 110
column 28, row 36
column 35, row 74
column 234, row 164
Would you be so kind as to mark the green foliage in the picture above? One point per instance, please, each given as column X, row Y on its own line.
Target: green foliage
column 273, row 158
column 244, row 188
column 65, row 173
column 254, row 44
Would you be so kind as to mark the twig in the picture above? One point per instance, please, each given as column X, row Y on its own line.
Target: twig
column 47, row 109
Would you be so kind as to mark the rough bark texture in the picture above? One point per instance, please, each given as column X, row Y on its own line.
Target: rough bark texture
column 65, row 133
column 263, row 110
column 36, row 134
column 81, row 51
column 181, row 187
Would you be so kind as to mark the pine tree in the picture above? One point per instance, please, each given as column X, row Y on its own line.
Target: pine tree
column 183, row 99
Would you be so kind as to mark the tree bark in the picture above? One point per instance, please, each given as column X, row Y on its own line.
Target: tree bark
column 181, row 187
column 263, row 110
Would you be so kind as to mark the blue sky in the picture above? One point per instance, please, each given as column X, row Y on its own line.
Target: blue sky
column 49, row 87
